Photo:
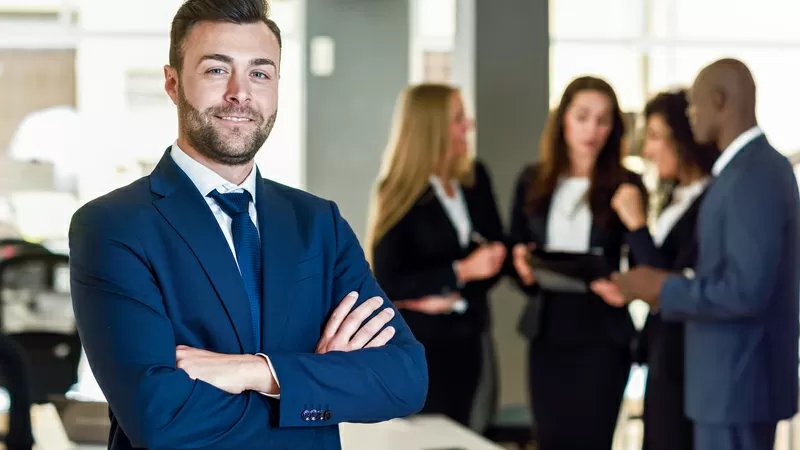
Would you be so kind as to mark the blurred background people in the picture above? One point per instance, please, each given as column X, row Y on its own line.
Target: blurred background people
column 741, row 307
column 684, row 169
column 437, row 246
column 580, row 353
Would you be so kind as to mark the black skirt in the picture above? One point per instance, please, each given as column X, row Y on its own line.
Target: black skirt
column 576, row 393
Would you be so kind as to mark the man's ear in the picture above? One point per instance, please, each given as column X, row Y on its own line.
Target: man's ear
column 719, row 99
column 171, row 83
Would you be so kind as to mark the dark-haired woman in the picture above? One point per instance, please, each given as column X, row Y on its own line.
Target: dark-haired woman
column 580, row 347
column 684, row 168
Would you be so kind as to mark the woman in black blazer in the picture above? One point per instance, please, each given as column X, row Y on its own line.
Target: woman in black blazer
column 580, row 347
column 436, row 245
column 684, row 168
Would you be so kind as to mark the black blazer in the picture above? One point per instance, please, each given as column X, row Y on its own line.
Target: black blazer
column 571, row 318
column 661, row 344
column 415, row 258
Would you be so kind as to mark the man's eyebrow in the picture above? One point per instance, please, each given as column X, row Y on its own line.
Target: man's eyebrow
column 262, row 62
column 217, row 57
column 229, row 60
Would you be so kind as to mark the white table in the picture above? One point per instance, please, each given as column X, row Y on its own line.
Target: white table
column 417, row 433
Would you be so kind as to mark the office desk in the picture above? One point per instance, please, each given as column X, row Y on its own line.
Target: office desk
column 418, row 433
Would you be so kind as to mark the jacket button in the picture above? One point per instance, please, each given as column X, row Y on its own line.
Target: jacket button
column 304, row 415
column 312, row 414
column 328, row 415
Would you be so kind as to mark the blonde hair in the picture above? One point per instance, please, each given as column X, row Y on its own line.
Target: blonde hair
column 419, row 146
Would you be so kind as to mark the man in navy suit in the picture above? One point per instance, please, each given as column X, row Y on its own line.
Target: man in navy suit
column 741, row 304
column 218, row 309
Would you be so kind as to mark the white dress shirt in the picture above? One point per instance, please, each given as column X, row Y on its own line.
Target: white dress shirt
column 734, row 148
column 682, row 198
column 456, row 209
column 569, row 221
column 206, row 181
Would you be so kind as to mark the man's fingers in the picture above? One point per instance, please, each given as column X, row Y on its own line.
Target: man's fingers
column 339, row 314
column 370, row 329
column 382, row 338
column 353, row 321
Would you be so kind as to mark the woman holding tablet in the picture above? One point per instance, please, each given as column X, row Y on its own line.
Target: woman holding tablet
column 580, row 347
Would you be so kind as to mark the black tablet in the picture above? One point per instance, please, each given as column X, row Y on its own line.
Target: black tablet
column 567, row 272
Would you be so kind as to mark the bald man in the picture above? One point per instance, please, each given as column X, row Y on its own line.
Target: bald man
column 740, row 303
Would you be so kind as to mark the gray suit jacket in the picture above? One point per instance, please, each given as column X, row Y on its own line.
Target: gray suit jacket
column 741, row 308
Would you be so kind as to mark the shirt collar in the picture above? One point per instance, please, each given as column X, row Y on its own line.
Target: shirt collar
column 734, row 148
column 206, row 180
column 690, row 191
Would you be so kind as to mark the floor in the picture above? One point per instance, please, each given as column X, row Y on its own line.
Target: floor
column 629, row 432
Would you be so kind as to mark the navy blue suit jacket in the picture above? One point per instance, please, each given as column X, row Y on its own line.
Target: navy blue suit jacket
column 151, row 270
column 741, row 308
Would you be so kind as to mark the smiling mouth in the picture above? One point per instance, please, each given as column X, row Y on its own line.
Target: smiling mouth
column 234, row 119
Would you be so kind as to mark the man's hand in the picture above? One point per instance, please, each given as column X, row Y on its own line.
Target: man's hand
column 431, row 304
column 641, row 282
column 233, row 374
column 344, row 331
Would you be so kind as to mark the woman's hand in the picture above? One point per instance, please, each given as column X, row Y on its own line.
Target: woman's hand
column 431, row 304
column 483, row 263
column 629, row 205
column 520, row 257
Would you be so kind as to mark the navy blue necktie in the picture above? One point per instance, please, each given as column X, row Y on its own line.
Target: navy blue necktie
column 248, row 250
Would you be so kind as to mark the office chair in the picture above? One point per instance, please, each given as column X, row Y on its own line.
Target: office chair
column 15, row 247
column 36, row 313
column 14, row 369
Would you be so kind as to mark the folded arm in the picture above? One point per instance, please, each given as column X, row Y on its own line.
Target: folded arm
column 755, row 222
column 368, row 385
column 130, row 345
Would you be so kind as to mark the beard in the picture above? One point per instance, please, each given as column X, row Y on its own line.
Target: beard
column 236, row 149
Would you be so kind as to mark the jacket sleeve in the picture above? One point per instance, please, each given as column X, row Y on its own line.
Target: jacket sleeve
column 756, row 219
column 641, row 248
column 368, row 385
column 519, row 232
column 493, row 232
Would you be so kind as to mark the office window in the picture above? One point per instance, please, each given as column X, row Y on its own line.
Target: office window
column 432, row 39
column 615, row 19
column 748, row 21
column 437, row 66
column 619, row 65
column 775, row 71
column 645, row 46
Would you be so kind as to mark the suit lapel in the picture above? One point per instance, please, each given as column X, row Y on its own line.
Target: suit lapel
column 188, row 213
column 280, row 247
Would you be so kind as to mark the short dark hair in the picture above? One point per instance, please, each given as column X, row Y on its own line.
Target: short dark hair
column 193, row 12
column 672, row 106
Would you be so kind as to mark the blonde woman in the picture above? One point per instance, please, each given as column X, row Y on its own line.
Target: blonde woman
column 436, row 246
